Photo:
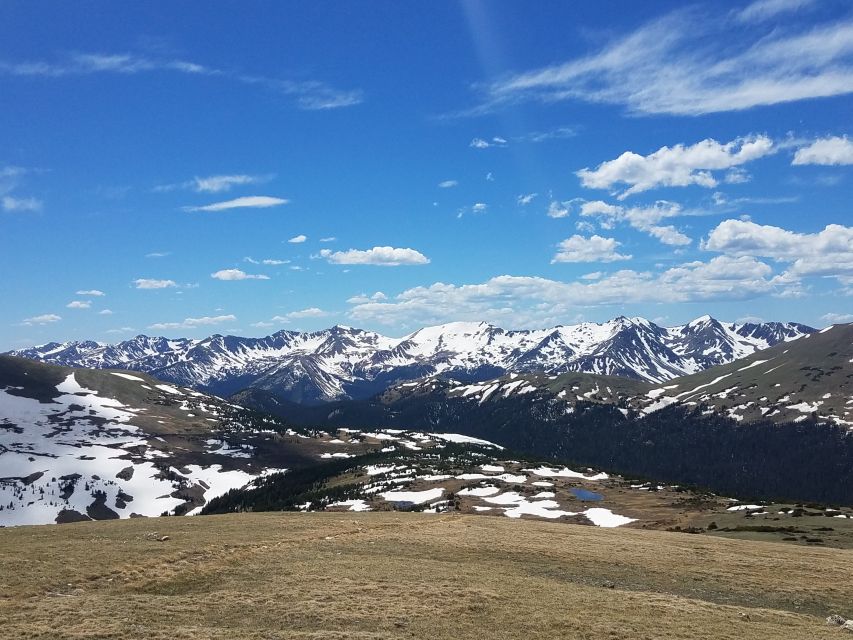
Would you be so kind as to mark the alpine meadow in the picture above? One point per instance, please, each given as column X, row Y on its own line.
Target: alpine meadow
column 440, row 320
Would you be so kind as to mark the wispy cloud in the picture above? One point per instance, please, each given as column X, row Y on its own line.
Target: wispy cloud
column 380, row 256
column 447, row 184
column 47, row 318
column 193, row 323
column 526, row 198
column 12, row 204
column 762, row 10
column 308, row 94
column 311, row 312
column 236, row 274
column 158, row 254
column 91, row 292
column 481, row 143
column 692, row 62
column 298, row 239
column 214, row 184
column 246, row 202
column 150, row 283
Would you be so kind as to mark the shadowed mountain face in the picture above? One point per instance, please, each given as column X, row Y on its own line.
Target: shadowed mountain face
column 343, row 362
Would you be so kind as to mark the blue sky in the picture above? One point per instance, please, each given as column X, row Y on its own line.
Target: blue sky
column 178, row 170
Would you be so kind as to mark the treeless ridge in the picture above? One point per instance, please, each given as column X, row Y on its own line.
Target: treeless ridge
column 395, row 575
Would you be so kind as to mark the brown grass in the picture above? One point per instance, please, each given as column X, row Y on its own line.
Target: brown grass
column 390, row 575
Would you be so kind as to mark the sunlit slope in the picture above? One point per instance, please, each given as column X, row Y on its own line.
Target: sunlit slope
column 407, row 576
column 785, row 383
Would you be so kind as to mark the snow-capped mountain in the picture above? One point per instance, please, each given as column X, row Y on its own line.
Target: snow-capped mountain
column 343, row 362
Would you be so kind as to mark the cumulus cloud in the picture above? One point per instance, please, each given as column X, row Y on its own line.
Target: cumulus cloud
column 834, row 150
column 105, row 312
column 693, row 61
column 47, row 318
column 193, row 323
column 150, row 283
column 91, row 292
column 246, row 202
column 593, row 249
column 677, row 166
column 298, row 239
column 558, row 209
column 645, row 218
column 535, row 301
column 236, row 274
column 826, row 253
column 363, row 298
column 79, row 304
column 382, row 256
column 447, row 184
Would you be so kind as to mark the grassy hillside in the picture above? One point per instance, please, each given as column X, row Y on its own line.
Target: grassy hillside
column 390, row 575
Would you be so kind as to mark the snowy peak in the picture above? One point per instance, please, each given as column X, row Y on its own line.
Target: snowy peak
column 344, row 362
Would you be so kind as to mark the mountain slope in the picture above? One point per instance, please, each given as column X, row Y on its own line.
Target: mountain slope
column 79, row 444
column 343, row 362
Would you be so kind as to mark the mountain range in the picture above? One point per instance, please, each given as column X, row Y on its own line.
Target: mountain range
column 347, row 363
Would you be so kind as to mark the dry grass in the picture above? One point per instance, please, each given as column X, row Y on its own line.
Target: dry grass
column 391, row 575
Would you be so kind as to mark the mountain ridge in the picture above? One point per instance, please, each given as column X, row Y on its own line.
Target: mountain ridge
column 349, row 363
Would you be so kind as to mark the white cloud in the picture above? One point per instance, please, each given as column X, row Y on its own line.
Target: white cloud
column 10, row 203
column 837, row 318
column 298, row 239
column 490, row 177
column 79, row 304
column 362, row 298
column 158, row 254
column 646, row 219
column 695, row 61
column 534, row 301
column 218, row 184
column 193, row 323
column 308, row 94
column 677, row 166
column 328, row 239
column 762, row 10
column 834, row 150
column 447, row 184
column 558, row 209
column 480, row 143
column 382, row 256
column 526, row 198
column 826, row 253
column 148, row 283
column 236, row 274
column 479, row 207
column 273, row 262
column 105, row 312
column 91, row 292
column 121, row 330
column 246, row 202
column 46, row 318
column 593, row 249
column 311, row 312
column 262, row 324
